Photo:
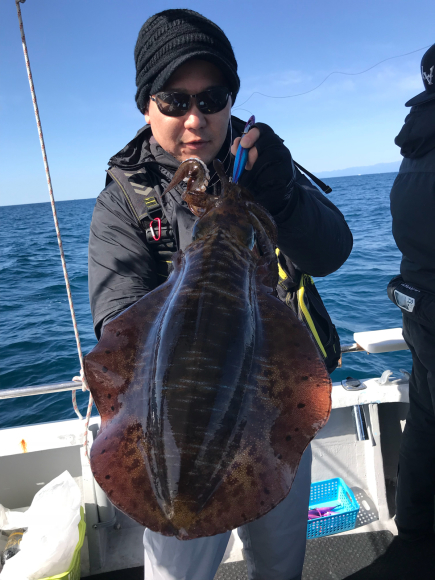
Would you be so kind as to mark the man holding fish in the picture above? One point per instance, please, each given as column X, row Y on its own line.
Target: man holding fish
column 187, row 82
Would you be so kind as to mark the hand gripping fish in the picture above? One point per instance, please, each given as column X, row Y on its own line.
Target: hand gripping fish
column 209, row 387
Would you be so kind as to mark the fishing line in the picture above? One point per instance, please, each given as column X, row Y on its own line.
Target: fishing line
column 247, row 110
column 327, row 77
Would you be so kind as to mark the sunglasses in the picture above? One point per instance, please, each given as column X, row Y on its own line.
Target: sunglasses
column 174, row 104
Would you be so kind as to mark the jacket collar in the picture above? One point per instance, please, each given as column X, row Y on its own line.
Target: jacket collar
column 136, row 152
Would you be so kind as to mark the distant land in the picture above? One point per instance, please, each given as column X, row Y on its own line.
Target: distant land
column 367, row 169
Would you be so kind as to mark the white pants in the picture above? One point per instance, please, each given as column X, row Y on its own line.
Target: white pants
column 274, row 545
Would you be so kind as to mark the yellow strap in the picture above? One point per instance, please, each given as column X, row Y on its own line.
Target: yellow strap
column 301, row 292
column 282, row 274
column 302, row 306
column 16, row 534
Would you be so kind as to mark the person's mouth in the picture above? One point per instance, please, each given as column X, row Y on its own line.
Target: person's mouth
column 196, row 145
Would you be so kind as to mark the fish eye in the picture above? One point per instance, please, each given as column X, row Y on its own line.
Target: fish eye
column 254, row 241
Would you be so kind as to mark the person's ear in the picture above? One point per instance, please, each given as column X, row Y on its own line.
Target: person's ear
column 146, row 113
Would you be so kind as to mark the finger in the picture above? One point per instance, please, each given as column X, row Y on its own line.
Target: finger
column 250, row 138
column 235, row 145
column 252, row 157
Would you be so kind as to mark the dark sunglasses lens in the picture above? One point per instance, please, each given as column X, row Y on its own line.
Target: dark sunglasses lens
column 173, row 104
column 208, row 102
column 213, row 100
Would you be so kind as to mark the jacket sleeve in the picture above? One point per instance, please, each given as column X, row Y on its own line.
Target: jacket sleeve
column 312, row 232
column 121, row 266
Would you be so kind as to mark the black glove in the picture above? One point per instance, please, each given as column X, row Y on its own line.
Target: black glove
column 271, row 179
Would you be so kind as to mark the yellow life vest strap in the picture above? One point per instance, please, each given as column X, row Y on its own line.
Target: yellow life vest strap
column 305, row 279
column 281, row 273
column 301, row 302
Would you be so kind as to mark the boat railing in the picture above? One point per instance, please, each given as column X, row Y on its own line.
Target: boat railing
column 372, row 342
column 40, row 390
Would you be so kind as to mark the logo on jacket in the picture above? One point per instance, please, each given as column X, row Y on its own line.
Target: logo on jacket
column 428, row 77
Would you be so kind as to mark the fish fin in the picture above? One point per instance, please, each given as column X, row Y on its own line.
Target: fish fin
column 111, row 373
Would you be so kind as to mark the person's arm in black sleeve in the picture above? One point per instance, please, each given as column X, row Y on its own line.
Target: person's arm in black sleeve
column 121, row 266
column 312, row 232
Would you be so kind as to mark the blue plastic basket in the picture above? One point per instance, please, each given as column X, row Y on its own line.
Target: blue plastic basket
column 332, row 492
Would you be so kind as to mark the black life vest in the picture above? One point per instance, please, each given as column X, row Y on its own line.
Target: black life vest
column 138, row 189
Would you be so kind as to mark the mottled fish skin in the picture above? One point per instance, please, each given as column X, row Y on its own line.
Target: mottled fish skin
column 209, row 388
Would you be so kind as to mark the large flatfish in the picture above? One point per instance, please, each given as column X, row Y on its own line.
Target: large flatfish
column 209, row 387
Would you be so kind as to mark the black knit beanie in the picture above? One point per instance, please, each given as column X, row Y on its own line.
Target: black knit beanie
column 172, row 37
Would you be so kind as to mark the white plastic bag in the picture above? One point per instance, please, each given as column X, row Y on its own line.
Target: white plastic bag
column 11, row 520
column 52, row 520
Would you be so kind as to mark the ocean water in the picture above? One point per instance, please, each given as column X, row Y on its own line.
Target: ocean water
column 37, row 339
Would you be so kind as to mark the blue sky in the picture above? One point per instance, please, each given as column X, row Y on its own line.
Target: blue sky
column 81, row 53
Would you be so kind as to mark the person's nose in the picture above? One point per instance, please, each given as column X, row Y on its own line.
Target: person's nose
column 194, row 118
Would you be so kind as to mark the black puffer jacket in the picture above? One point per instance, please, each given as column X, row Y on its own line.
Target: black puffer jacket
column 123, row 266
column 413, row 198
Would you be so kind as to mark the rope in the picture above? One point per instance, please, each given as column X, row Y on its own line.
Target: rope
column 59, row 239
